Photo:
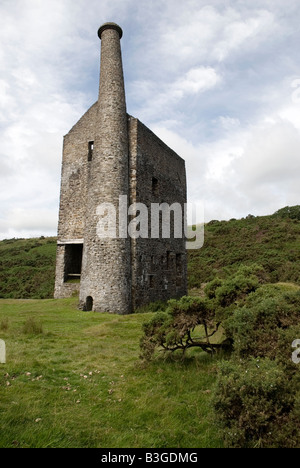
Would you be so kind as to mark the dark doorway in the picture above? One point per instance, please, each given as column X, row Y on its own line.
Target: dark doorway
column 73, row 262
column 89, row 304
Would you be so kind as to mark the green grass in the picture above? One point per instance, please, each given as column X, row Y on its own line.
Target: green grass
column 78, row 382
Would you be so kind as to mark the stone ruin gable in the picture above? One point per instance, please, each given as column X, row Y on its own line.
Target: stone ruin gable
column 74, row 180
column 75, row 176
column 157, row 175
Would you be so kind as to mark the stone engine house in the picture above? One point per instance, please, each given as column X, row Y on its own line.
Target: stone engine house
column 108, row 154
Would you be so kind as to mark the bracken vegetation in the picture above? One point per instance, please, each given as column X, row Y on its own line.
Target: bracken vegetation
column 271, row 241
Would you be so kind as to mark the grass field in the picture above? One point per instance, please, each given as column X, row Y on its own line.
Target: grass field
column 74, row 379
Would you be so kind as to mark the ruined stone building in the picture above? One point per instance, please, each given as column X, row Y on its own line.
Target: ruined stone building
column 108, row 154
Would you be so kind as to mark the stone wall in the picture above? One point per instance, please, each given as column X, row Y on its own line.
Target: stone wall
column 74, row 183
column 74, row 178
column 159, row 266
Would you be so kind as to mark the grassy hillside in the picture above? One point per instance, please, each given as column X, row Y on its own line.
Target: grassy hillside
column 27, row 267
column 74, row 379
column 271, row 241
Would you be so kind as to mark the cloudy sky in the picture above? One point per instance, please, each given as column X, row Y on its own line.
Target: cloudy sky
column 218, row 81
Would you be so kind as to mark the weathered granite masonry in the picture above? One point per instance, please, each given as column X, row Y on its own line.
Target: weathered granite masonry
column 108, row 154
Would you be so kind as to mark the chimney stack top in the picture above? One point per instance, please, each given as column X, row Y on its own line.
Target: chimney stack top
column 110, row 26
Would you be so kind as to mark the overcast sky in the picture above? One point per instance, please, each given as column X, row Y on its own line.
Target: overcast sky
column 218, row 81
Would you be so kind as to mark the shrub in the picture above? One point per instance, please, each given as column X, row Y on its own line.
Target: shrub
column 226, row 292
column 257, row 398
column 292, row 212
column 255, row 327
column 211, row 288
column 173, row 330
column 256, row 405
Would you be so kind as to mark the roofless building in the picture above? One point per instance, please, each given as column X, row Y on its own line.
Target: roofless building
column 110, row 159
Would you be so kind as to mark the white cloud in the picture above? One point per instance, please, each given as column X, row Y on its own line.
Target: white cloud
column 36, row 110
column 213, row 33
column 164, row 99
column 196, row 80
column 252, row 169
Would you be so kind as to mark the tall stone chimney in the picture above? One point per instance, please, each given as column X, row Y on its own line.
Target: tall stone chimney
column 106, row 271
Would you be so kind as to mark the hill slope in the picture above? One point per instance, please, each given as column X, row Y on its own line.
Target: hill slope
column 27, row 266
column 271, row 241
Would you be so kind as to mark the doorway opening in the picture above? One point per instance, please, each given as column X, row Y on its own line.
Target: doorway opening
column 89, row 304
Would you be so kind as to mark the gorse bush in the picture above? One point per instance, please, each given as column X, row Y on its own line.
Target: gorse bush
column 229, row 292
column 174, row 329
column 291, row 212
column 257, row 397
column 191, row 322
column 255, row 327
column 257, row 406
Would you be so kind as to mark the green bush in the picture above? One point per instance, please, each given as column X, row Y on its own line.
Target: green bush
column 173, row 329
column 257, row 406
column 257, row 397
column 237, row 286
column 255, row 327
column 291, row 212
